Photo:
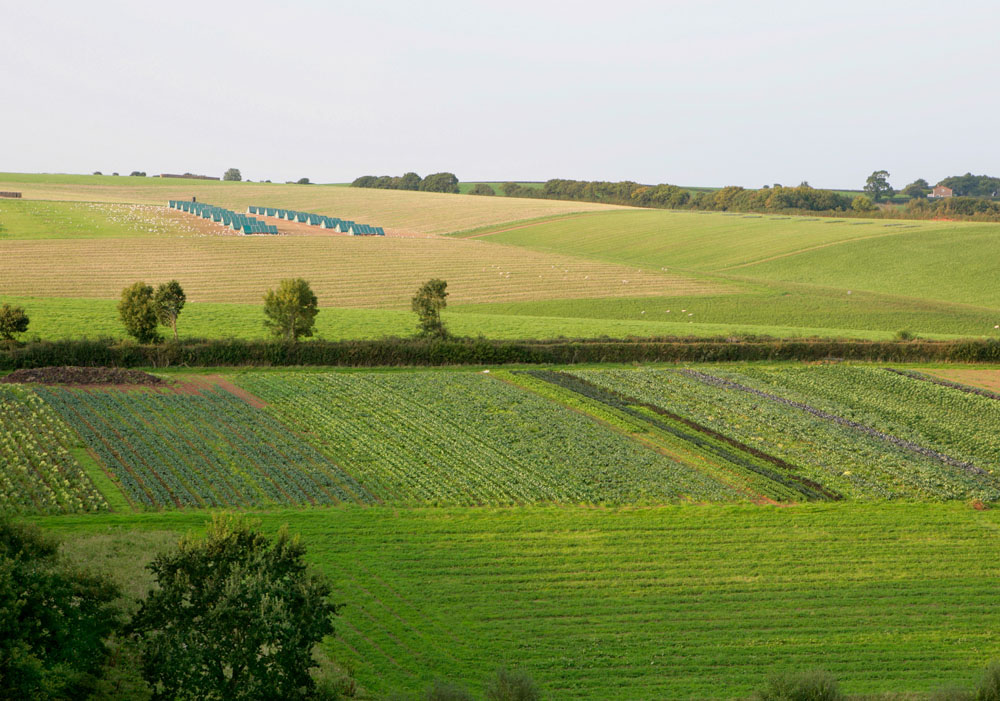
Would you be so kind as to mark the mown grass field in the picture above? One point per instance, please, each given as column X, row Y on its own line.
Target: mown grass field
column 674, row 602
column 923, row 276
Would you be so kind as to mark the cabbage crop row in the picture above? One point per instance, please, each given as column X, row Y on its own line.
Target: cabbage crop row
column 38, row 473
column 199, row 450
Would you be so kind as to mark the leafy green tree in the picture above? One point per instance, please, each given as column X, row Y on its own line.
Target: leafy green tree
column 169, row 300
column 302, row 181
column 53, row 620
column 138, row 312
column 513, row 189
column 428, row 303
column 918, row 189
column 482, row 189
column 862, row 203
column 877, row 185
column 234, row 616
column 410, row 181
column 291, row 309
column 13, row 320
column 233, row 174
column 440, row 182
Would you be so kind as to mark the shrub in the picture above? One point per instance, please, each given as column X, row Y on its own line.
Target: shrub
column 444, row 691
column 801, row 686
column 989, row 684
column 904, row 335
column 512, row 686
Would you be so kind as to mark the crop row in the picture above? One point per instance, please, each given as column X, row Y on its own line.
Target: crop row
column 765, row 475
column 829, row 444
column 38, row 473
column 465, row 438
column 205, row 450
column 948, row 420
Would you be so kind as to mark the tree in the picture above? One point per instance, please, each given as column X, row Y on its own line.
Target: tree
column 97, row 172
column 918, row 189
column 232, row 174
column 428, row 303
column 137, row 174
column 53, row 619
column 440, row 182
column 862, row 203
column 482, row 189
column 169, row 300
column 877, row 185
column 291, row 309
column 302, row 181
column 234, row 616
column 138, row 312
column 513, row 189
column 410, row 181
column 13, row 320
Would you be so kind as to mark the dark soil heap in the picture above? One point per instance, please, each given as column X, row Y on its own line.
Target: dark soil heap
column 82, row 376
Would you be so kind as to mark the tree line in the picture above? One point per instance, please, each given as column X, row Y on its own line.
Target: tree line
column 435, row 182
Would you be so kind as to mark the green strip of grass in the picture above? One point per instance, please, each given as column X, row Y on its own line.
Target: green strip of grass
column 57, row 318
column 106, row 486
column 675, row 602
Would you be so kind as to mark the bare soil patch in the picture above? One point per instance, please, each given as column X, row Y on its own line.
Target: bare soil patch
column 69, row 375
column 985, row 379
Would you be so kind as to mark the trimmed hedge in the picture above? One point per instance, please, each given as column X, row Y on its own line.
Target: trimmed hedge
column 425, row 352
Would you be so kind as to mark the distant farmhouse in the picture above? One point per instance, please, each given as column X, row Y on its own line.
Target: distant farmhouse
column 941, row 191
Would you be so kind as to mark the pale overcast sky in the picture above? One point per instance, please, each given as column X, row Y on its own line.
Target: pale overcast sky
column 693, row 93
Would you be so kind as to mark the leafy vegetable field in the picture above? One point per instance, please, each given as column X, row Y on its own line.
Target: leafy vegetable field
column 199, row 450
column 466, row 438
column 861, row 432
column 39, row 472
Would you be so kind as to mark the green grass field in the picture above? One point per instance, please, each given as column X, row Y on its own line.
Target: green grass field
column 676, row 602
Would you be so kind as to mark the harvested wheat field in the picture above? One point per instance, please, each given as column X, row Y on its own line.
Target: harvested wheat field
column 343, row 271
column 398, row 211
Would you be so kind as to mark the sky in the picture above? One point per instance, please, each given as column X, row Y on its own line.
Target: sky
column 704, row 93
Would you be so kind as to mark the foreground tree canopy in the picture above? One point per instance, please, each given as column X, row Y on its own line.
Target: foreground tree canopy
column 53, row 620
column 235, row 616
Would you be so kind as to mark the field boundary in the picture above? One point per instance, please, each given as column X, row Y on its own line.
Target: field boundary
column 400, row 352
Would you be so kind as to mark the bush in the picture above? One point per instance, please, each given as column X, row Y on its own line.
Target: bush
column 512, row 686
column 989, row 685
column 801, row 686
column 443, row 691
column 440, row 182
column 482, row 189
